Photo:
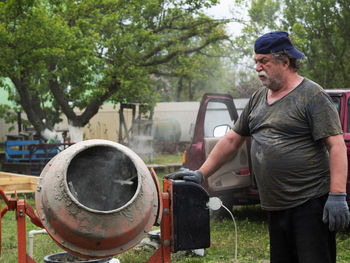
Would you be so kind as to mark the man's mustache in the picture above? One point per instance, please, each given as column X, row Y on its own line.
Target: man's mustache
column 262, row 74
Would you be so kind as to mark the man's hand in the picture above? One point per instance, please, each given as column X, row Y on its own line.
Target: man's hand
column 187, row 175
column 336, row 212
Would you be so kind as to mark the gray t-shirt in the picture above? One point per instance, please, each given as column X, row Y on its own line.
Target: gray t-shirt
column 289, row 157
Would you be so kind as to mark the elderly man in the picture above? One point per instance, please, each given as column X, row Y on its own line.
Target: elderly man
column 298, row 155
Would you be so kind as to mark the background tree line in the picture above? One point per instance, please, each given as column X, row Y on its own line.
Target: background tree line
column 66, row 55
column 319, row 28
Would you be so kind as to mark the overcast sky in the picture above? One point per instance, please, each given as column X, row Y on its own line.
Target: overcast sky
column 224, row 10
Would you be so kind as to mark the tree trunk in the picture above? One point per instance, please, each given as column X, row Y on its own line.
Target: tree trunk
column 179, row 89
column 190, row 90
column 30, row 103
column 91, row 109
column 75, row 132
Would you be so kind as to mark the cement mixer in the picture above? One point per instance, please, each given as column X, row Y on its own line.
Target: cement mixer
column 97, row 199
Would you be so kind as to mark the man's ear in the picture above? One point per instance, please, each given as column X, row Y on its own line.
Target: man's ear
column 286, row 62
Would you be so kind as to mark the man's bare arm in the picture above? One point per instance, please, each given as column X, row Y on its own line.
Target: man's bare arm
column 338, row 163
column 336, row 210
column 221, row 153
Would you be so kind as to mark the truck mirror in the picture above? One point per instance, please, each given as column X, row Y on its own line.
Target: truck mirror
column 220, row 130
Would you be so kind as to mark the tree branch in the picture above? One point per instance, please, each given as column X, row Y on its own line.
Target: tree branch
column 194, row 24
column 162, row 73
column 194, row 32
column 31, row 105
column 168, row 57
column 59, row 95
column 94, row 106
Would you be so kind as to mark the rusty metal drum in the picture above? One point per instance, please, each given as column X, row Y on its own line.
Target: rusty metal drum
column 97, row 198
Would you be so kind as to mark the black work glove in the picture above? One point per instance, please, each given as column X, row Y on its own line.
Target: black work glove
column 187, row 175
column 336, row 212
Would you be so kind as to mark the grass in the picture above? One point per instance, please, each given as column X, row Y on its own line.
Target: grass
column 253, row 241
column 252, row 246
column 165, row 159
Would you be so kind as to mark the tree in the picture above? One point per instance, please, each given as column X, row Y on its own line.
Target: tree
column 319, row 28
column 191, row 75
column 68, row 55
column 261, row 16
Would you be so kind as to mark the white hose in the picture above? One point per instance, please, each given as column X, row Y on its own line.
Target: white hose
column 236, row 236
column 215, row 204
column 31, row 239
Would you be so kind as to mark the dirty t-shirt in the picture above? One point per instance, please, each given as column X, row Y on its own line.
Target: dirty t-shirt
column 289, row 157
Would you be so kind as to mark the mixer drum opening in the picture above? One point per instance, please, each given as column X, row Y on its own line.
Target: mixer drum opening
column 102, row 178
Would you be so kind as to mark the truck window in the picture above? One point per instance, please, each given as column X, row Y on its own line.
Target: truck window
column 216, row 114
column 336, row 101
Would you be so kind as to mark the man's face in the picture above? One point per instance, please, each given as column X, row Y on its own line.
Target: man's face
column 269, row 71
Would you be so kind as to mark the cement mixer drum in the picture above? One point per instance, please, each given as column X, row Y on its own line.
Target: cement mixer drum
column 97, row 199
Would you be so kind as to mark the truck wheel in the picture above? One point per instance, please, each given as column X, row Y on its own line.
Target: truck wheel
column 222, row 212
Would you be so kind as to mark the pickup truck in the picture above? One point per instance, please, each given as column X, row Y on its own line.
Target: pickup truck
column 234, row 182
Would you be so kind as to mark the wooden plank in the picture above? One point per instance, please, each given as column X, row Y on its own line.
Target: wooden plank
column 7, row 174
column 17, row 180
column 19, row 188
column 11, row 183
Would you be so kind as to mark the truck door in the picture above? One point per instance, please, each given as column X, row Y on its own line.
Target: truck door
column 217, row 114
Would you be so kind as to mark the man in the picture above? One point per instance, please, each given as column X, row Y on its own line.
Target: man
column 298, row 156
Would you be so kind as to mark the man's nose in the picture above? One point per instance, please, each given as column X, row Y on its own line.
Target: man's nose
column 258, row 67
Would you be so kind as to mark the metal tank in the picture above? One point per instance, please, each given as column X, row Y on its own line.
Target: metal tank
column 97, row 198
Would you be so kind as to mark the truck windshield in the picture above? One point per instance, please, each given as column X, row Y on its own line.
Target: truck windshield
column 216, row 114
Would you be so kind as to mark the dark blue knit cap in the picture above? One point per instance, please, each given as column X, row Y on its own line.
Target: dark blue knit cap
column 276, row 41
